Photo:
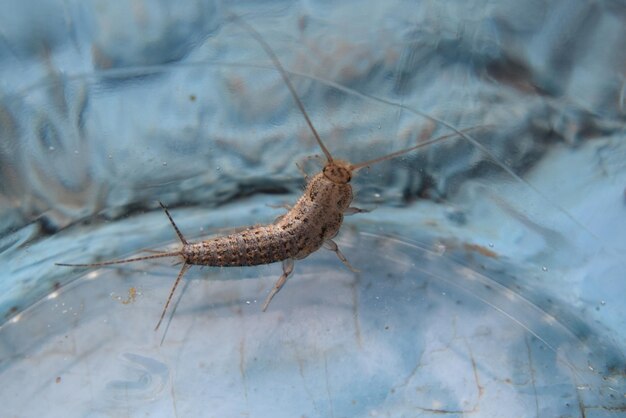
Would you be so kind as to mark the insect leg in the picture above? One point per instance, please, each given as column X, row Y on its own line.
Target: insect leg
column 304, row 173
column 304, row 160
column 331, row 245
column 353, row 211
column 169, row 298
column 281, row 206
column 284, row 206
column 287, row 270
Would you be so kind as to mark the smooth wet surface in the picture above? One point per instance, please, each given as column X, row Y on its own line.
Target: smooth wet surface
column 492, row 266
column 415, row 333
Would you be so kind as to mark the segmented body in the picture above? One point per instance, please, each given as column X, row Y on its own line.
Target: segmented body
column 315, row 218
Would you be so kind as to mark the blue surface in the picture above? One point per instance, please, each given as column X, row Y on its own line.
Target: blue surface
column 492, row 266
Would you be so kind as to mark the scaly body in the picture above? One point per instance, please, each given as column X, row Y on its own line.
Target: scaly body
column 314, row 219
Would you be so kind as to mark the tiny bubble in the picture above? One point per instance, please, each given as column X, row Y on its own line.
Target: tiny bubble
column 377, row 195
column 247, row 302
column 440, row 249
column 218, row 168
column 76, row 151
column 110, row 157
column 51, row 148
column 164, row 163
column 491, row 245
column 602, row 302
column 544, row 268
column 379, row 127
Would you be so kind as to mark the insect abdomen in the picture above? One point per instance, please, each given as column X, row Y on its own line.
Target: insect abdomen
column 259, row 245
column 316, row 217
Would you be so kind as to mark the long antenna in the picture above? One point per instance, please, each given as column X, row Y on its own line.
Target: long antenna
column 257, row 36
column 355, row 167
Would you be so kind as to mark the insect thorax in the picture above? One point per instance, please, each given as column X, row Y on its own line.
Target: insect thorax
column 329, row 195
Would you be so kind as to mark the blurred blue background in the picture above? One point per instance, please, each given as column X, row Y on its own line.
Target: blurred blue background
column 492, row 265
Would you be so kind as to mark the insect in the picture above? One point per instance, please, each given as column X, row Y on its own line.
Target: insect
column 311, row 223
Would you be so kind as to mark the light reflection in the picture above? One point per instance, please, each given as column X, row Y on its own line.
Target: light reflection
column 510, row 295
column 439, row 249
column 549, row 319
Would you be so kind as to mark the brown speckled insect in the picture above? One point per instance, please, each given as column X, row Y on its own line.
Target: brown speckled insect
column 311, row 223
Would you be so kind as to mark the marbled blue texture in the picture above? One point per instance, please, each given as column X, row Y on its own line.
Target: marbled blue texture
column 492, row 272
